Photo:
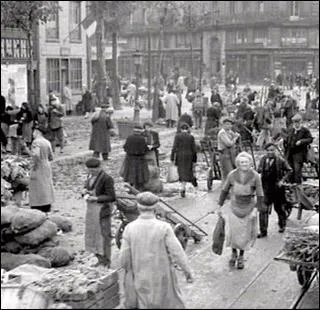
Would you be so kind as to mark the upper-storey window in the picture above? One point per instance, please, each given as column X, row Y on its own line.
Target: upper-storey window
column 52, row 27
column 75, row 20
column 294, row 8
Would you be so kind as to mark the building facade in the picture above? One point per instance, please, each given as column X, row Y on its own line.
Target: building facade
column 62, row 52
column 255, row 39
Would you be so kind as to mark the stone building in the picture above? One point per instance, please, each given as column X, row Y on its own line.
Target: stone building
column 256, row 39
column 62, row 51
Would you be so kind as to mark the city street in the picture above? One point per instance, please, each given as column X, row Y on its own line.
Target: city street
column 264, row 283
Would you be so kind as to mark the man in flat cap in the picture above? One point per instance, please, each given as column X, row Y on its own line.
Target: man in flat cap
column 99, row 193
column 227, row 139
column 296, row 147
column 152, row 139
column 135, row 166
column 149, row 253
column 274, row 170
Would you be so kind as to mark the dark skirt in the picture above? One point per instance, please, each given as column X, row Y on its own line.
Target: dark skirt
column 184, row 163
column 135, row 170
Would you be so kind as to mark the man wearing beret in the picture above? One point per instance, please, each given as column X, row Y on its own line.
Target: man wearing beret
column 135, row 167
column 149, row 253
column 273, row 170
column 99, row 193
column 152, row 139
column 296, row 147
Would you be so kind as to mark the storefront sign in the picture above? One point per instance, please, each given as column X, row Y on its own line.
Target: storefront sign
column 14, row 85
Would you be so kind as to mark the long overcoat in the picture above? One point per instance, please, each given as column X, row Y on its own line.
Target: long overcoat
column 172, row 111
column 41, row 185
column 184, row 154
column 100, row 135
column 149, row 251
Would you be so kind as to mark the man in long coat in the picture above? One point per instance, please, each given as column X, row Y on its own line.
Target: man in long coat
column 149, row 253
column 296, row 148
column 184, row 155
column 135, row 167
column 100, row 135
column 172, row 112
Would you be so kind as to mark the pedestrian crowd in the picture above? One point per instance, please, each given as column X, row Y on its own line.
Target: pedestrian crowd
column 150, row 252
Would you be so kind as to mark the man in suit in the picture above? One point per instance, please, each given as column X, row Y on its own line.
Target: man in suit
column 296, row 147
column 273, row 170
column 152, row 139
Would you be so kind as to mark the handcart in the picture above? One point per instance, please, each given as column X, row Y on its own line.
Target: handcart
column 301, row 252
column 209, row 148
column 183, row 227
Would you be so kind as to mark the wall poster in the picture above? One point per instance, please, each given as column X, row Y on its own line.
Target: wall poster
column 14, row 85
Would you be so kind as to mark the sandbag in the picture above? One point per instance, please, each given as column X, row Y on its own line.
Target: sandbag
column 58, row 256
column 33, row 238
column 12, row 247
column 62, row 222
column 26, row 220
column 10, row 261
column 7, row 214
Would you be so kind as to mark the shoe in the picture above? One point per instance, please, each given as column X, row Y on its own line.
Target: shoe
column 61, row 151
column 183, row 194
column 281, row 229
column 233, row 259
column 262, row 235
column 240, row 264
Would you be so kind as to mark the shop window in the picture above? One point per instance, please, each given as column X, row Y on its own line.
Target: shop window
column 75, row 20
column 53, row 75
column 52, row 28
column 75, row 74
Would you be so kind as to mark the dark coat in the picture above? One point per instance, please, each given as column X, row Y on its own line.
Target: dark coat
column 152, row 138
column 300, row 151
column 271, row 175
column 104, row 188
column 100, row 135
column 184, row 154
column 135, row 170
column 87, row 101
column 213, row 117
column 216, row 98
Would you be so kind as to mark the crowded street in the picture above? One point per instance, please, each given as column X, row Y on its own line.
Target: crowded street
column 159, row 155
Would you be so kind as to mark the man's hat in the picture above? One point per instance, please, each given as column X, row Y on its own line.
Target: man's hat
column 227, row 120
column 93, row 162
column 297, row 117
column 147, row 124
column 147, row 201
column 268, row 145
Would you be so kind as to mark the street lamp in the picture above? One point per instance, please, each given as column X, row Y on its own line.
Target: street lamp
column 137, row 60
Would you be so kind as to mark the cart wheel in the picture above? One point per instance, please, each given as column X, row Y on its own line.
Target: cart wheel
column 181, row 232
column 209, row 179
column 303, row 275
column 119, row 233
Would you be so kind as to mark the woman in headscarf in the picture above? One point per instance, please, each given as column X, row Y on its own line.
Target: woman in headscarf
column 246, row 193
column 184, row 155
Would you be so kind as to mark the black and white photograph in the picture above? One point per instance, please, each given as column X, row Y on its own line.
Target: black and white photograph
column 159, row 154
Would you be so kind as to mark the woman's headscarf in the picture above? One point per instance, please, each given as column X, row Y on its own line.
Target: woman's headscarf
column 243, row 155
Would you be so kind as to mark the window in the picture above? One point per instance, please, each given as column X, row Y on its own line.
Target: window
column 294, row 8
column 53, row 75
column 294, row 36
column 52, row 28
column 180, row 40
column 232, row 7
column 241, row 37
column 231, row 37
column 260, row 6
column 75, row 19
column 75, row 74
column 260, row 36
column 166, row 40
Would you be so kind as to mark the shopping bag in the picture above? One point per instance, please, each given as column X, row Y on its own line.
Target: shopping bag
column 218, row 236
column 173, row 175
